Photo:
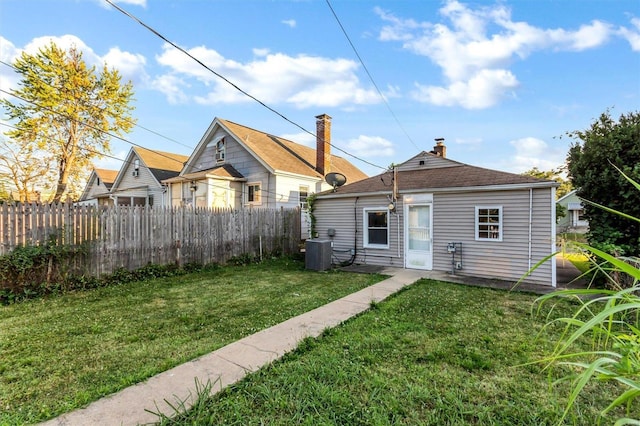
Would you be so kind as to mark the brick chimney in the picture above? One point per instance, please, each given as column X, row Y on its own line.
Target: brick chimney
column 323, row 144
column 440, row 150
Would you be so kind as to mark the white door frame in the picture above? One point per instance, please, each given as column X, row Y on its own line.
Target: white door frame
column 425, row 258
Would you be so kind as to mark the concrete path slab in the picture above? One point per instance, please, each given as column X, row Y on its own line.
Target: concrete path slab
column 231, row 363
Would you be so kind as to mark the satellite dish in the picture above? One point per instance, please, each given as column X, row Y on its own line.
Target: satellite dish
column 335, row 179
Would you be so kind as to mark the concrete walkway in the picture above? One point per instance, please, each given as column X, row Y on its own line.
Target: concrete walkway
column 231, row 363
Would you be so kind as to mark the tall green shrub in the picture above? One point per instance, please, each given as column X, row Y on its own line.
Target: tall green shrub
column 611, row 319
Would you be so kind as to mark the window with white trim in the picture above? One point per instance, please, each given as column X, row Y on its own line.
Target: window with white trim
column 254, row 195
column 220, row 151
column 303, row 193
column 376, row 228
column 489, row 223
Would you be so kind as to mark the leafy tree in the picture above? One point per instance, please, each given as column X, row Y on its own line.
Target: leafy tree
column 64, row 109
column 608, row 142
column 554, row 174
column 26, row 171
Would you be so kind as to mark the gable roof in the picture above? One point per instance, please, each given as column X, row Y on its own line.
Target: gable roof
column 278, row 154
column 107, row 176
column 163, row 165
column 448, row 175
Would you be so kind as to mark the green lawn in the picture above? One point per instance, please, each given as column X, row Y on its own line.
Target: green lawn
column 60, row 353
column 434, row 354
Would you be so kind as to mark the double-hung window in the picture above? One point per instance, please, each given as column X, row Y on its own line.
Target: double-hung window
column 253, row 193
column 376, row 228
column 489, row 223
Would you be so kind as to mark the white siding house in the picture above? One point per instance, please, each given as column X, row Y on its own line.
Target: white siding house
column 139, row 181
column 433, row 213
column 98, row 187
column 574, row 219
column 235, row 166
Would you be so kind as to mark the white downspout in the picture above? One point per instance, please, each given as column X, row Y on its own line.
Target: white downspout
column 530, row 224
column 554, row 281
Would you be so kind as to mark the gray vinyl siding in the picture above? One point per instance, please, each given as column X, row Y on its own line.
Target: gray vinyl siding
column 243, row 162
column 454, row 221
column 346, row 217
column 95, row 189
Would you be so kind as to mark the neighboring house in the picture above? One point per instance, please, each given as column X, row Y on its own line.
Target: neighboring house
column 234, row 166
column 433, row 213
column 574, row 220
column 139, row 181
column 98, row 187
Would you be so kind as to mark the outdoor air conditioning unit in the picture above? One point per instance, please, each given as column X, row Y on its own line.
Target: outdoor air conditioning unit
column 317, row 255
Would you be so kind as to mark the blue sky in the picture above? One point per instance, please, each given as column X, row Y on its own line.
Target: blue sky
column 500, row 81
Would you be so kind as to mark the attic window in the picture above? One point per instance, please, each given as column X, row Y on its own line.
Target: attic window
column 97, row 181
column 220, row 150
column 421, row 162
column 136, row 168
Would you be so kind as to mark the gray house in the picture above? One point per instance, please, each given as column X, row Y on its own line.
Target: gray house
column 235, row 166
column 139, row 181
column 574, row 220
column 434, row 213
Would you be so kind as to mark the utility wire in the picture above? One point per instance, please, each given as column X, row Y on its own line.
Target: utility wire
column 384, row 99
column 233, row 84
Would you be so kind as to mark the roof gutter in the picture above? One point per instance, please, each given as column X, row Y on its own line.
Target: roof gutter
column 509, row 187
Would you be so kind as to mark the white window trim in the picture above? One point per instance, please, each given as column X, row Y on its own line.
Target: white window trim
column 500, row 224
column 365, row 225
column 303, row 205
column 253, row 203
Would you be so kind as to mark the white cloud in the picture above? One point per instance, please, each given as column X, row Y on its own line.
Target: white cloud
column 370, row 146
column 475, row 47
column 290, row 22
column 302, row 80
column 131, row 66
column 532, row 152
column 482, row 90
column 172, row 87
column 632, row 35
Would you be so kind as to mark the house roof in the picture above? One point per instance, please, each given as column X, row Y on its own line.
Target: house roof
column 163, row 165
column 281, row 154
column 224, row 171
column 451, row 175
column 107, row 176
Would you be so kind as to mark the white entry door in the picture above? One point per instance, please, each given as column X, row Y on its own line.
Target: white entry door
column 418, row 244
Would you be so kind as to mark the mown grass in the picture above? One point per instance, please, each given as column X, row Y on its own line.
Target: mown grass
column 433, row 354
column 60, row 353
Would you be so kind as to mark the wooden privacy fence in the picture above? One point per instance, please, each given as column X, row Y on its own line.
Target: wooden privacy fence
column 132, row 237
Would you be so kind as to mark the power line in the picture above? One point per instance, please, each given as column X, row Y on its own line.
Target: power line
column 384, row 99
column 158, row 34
